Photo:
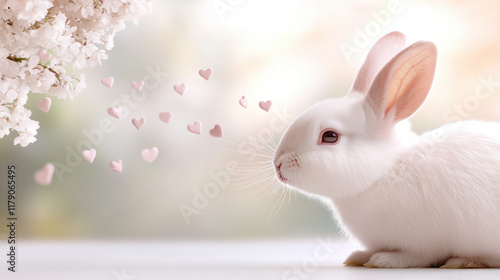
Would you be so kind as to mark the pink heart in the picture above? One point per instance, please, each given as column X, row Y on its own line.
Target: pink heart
column 265, row 105
column 137, row 85
column 149, row 155
column 44, row 175
column 195, row 127
column 244, row 102
column 206, row 73
column 116, row 166
column 44, row 104
column 108, row 82
column 138, row 123
column 166, row 116
column 44, row 55
column 115, row 112
column 89, row 155
column 180, row 89
column 216, row 131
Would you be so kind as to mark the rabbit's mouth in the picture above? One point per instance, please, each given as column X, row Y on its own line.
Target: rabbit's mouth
column 280, row 175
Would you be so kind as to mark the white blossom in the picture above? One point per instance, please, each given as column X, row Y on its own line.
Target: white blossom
column 31, row 10
column 74, row 32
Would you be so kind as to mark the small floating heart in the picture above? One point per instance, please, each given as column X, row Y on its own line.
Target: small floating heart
column 44, row 55
column 44, row 175
column 206, row 73
column 44, row 104
column 115, row 112
column 180, row 89
column 166, row 116
column 216, row 131
column 138, row 123
column 138, row 85
column 195, row 127
column 265, row 105
column 116, row 166
column 89, row 155
column 108, row 82
column 244, row 102
column 149, row 155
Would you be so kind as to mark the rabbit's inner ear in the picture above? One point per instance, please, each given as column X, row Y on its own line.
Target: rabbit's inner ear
column 403, row 84
column 385, row 49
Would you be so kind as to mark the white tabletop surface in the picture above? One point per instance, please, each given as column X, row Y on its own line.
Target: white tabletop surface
column 135, row 260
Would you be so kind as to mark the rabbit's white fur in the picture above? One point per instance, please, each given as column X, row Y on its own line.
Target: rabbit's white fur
column 411, row 201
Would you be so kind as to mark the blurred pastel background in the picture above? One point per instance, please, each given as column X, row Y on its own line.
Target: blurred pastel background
column 293, row 52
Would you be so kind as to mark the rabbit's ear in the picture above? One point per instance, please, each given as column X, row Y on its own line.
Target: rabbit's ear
column 385, row 49
column 403, row 84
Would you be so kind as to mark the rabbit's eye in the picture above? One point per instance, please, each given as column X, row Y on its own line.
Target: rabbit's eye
column 329, row 137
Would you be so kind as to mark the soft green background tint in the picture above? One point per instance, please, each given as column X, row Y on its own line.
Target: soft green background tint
column 287, row 51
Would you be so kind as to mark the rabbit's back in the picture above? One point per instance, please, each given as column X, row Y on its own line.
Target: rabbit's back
column 441, row 197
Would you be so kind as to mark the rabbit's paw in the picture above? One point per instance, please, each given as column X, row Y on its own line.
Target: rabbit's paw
column 465, row 263
column 395, row 260
column 358, row 258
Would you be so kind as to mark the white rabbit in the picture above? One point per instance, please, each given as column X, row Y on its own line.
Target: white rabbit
column 411, row 200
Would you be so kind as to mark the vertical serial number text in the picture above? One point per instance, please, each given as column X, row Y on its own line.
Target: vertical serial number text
column 11, row 217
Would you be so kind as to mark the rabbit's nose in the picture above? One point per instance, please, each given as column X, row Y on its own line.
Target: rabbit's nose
column 277, row 156
column 277, row 168
column 279, row 174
